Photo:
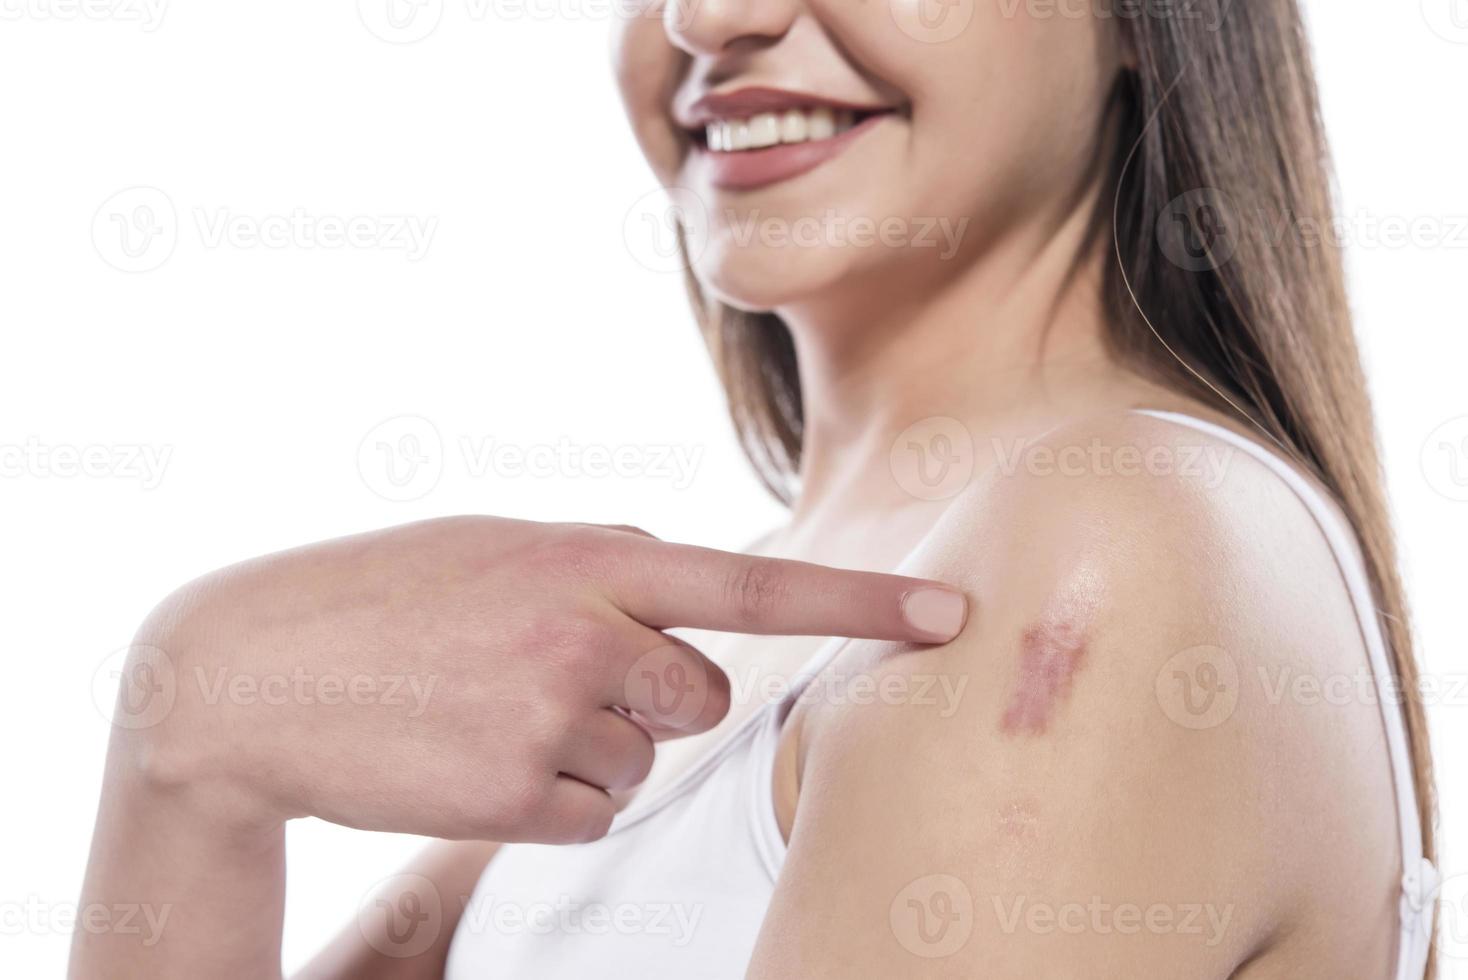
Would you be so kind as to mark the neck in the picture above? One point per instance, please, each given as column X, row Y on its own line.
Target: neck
column 1011, row 340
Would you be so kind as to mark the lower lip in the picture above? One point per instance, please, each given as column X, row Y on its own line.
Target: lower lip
column 744, row 170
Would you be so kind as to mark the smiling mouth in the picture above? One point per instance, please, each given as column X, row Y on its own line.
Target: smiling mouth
column 762, row 130
column 757, row 136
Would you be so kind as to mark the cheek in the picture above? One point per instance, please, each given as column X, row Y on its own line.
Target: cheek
column 647, row 68
column 1004, row 101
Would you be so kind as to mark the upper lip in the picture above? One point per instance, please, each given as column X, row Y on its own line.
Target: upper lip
column 745, row 102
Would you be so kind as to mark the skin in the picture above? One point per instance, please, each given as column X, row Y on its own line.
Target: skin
column 1279, row 819
column 1052, row 652
column 1085, row 585
column 536, row 640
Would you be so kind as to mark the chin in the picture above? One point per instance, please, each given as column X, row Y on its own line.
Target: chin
column 759, row 278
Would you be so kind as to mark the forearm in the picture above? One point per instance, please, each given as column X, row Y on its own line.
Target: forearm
column 201, row 895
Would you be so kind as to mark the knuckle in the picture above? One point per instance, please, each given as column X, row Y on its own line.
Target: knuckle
column 629, row 529
column 600, row 823
column 717, row 701
column 548, row 731
column 578, row 643
column 639, row 765
column 451, row 529
column 591, row 822
column 520, row 799
column 754, row 589
column 630, row 761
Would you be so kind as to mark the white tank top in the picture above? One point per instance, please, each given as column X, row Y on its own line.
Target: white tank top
column 678, row 888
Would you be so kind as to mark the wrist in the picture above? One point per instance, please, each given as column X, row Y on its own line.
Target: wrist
column 186, row 778
column 182, row 754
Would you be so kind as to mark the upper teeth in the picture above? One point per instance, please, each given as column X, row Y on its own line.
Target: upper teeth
column 770, row 128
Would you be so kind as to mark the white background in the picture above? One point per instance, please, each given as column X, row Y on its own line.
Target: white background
column 528, row 321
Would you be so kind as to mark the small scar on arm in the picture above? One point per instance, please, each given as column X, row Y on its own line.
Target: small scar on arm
column 1050, row 655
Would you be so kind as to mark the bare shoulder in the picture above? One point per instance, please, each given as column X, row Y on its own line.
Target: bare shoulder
column 1160, row 709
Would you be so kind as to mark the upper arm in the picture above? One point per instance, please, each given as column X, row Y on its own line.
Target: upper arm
column 1106, row 788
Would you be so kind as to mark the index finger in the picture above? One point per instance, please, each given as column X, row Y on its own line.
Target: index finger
column 665, row 585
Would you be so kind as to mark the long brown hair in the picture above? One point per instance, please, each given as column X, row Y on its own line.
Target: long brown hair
column 1221, row 154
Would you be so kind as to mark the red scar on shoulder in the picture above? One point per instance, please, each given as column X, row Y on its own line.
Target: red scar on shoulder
column 1050, row 655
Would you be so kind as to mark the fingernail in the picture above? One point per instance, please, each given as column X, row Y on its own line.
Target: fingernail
column 938, row 613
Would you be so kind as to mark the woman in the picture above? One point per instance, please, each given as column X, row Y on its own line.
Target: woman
column 1118, row 407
